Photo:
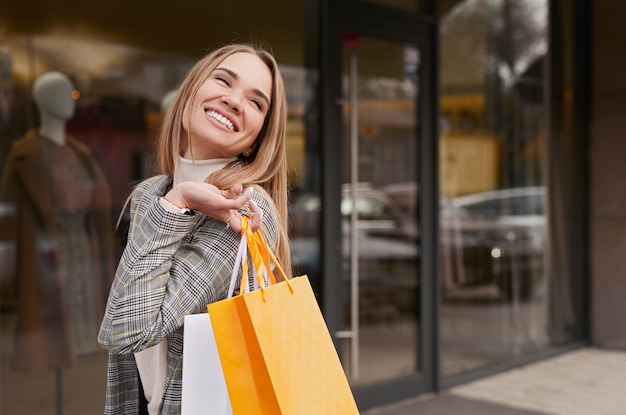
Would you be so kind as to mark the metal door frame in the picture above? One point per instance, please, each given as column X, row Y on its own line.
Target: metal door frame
column 334, row 18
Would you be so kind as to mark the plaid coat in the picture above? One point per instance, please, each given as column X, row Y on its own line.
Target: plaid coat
column 173, row 265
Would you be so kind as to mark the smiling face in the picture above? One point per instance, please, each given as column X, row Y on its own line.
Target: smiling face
column 229, row 109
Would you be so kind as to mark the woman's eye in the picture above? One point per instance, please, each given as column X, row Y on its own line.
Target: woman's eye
column 258, row 104
column 223, row 80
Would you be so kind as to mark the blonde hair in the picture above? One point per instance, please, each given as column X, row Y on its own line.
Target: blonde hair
column 266, row 167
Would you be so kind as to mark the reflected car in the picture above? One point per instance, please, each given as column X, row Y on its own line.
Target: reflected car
column 387, row 251
column 377, row 214
column 503, row 237
column 488, row 238
column 383, row 232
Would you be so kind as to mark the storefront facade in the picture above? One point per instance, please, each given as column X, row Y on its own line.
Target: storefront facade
column 439, row 169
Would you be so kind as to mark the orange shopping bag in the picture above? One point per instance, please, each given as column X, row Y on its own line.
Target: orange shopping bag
column 276, row 352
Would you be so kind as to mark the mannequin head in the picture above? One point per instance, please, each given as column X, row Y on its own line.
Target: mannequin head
column 52, row 93
column 166, row 101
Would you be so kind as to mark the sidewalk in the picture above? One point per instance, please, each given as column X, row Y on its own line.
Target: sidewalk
column 588, row 381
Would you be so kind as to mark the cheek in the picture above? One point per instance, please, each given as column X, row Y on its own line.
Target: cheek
column 259, row 122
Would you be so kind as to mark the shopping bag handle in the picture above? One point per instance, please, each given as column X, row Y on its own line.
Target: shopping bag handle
column 262, row 256
column 259, row 256
column 261, row 250
column 240, row 261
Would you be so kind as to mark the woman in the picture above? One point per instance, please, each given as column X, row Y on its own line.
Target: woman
column 222, row 155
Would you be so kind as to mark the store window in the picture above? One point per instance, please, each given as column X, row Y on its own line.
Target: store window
column 55, row 277
column 507, row 285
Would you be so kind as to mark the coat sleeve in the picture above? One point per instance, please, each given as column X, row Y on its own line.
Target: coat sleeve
column 173, row 265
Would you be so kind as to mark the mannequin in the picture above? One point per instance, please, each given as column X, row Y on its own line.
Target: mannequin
column 166, row 101
column 63, row 234
column 52, row 93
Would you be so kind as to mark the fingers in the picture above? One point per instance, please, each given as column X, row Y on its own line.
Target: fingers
column 245, row 196
column 255, row 217
column 237, row 195
column 234, row 192
column 233, row 219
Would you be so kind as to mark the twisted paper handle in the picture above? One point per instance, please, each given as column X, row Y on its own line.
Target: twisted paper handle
column 262, row 257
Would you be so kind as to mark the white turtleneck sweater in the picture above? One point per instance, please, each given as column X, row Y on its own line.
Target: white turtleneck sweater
column 152, row 362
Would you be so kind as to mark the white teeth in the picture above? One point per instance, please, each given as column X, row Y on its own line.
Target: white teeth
column 219, row 117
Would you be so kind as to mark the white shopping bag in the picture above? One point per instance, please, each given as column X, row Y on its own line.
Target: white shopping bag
column 204, row 387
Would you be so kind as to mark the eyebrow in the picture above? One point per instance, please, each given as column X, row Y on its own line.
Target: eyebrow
column 236, row 76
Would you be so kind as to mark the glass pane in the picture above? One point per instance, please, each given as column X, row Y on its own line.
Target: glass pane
column 496, row 278
column 51, row 304
column 382, row 196
column 303, row 155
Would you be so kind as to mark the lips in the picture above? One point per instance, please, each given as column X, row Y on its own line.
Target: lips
column 221, row 119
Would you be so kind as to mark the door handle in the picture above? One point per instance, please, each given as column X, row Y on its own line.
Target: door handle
column 353, row 332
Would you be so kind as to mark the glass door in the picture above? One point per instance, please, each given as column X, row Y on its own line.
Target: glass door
column 378, row 204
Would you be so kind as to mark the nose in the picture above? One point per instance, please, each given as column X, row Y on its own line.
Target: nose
column 233, row 101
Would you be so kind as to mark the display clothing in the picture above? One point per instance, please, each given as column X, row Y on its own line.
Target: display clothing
column 64, row 238
column 174, row 264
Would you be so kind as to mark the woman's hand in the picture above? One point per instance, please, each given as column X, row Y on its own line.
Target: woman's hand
column 219, row 204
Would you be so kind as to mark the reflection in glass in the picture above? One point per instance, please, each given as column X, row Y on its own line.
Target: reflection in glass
column 495, row 238
column 62, row 236
column 377, row 208
column 303, row 155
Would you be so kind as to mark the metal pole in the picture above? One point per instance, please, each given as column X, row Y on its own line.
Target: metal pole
column 353, row 332
column 354, row 240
